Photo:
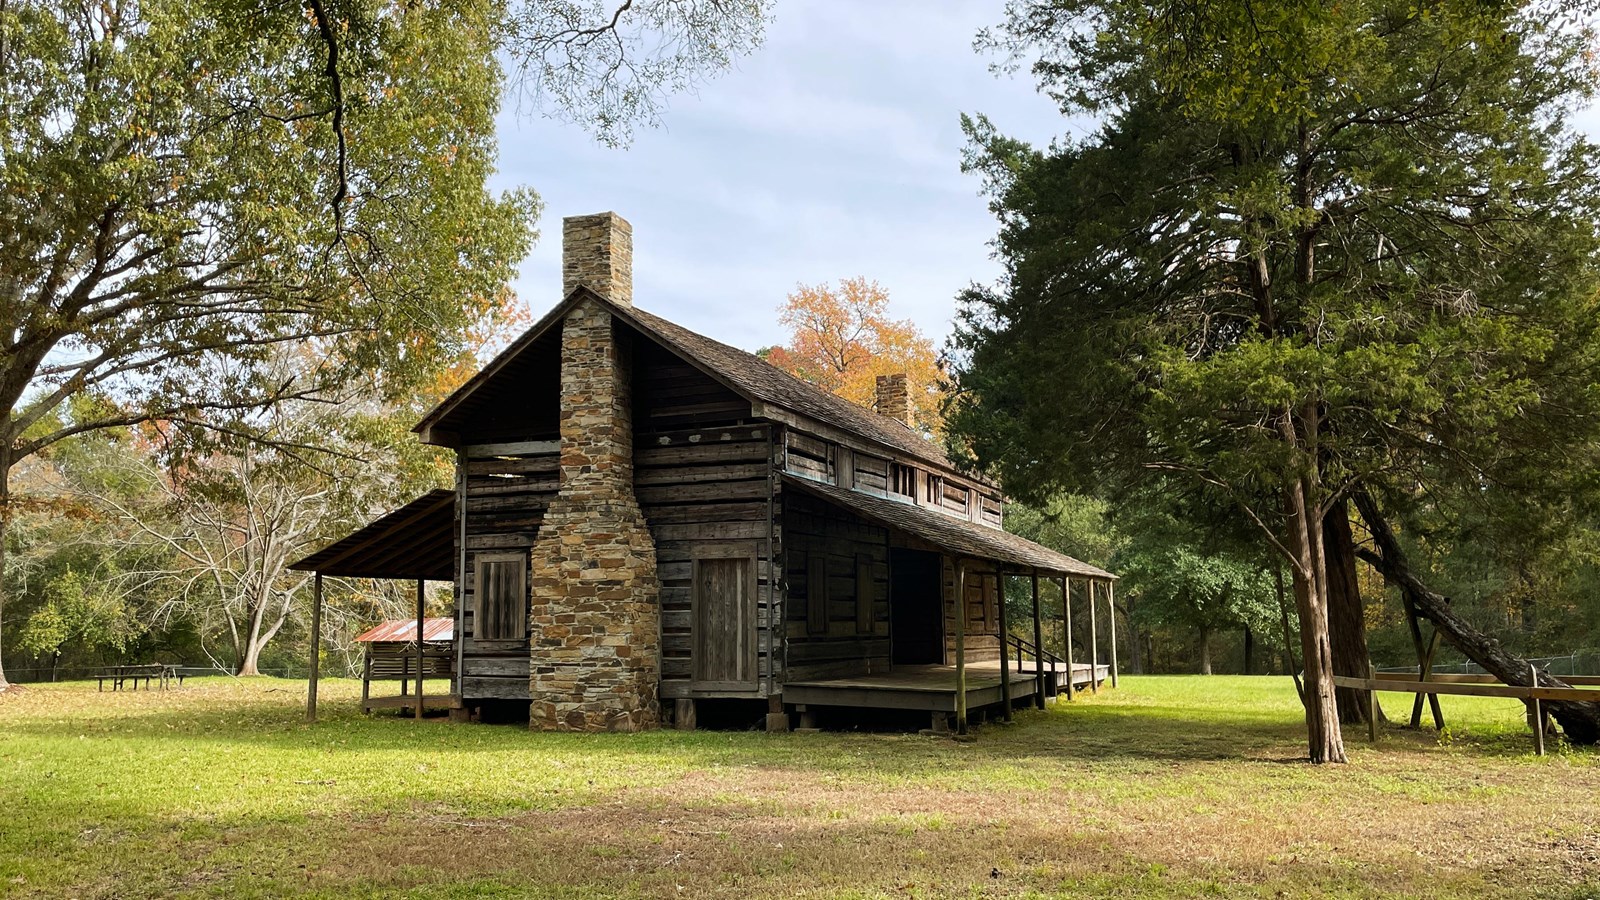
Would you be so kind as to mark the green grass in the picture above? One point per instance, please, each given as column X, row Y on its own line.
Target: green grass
column 1166, row 787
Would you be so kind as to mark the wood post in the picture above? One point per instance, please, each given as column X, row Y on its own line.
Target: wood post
column 1005, row 637
column 961, row 646
column 1111, row 613
column 316, row 646
column 1538, row 712
column 1094, row 644
column 366, row 678
column 421, row 614
column 1066, row 635
column 683, row 717
column 1425, row 652
column 1038, row 646
column 1372, row 706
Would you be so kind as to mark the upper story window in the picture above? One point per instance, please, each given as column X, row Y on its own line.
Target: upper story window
column 903, row 480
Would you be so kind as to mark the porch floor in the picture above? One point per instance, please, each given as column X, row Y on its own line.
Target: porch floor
column 930, row 688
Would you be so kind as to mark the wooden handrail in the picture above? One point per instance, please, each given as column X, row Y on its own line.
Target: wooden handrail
column 1039, row 655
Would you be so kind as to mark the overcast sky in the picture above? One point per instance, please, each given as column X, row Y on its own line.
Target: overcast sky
column 833, row 151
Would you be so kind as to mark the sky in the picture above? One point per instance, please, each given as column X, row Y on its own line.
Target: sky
column 833, row 151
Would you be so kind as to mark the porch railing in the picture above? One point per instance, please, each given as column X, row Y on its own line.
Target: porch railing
column 1042, row 656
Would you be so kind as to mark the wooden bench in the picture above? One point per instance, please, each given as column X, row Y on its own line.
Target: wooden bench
column 157, row 673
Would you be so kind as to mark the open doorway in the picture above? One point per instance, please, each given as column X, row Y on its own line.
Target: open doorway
column 916, row 608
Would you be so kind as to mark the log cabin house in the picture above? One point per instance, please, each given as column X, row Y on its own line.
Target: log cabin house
column 645, row 519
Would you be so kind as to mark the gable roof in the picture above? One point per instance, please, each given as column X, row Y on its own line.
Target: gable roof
column 743, row 372
column 957, row 536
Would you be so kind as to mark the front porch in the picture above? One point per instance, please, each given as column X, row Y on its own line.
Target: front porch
column 934, row 688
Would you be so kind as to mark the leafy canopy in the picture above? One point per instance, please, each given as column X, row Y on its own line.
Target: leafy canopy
column 1367, row 219
column 842, row 337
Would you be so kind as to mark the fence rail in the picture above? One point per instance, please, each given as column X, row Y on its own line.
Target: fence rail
column 1477, row 686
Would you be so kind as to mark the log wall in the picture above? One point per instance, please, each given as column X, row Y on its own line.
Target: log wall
column 703, row 476
column 508, row 487
column 847, row 634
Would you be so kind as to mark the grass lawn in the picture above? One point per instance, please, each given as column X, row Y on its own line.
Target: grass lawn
column 1168, row 786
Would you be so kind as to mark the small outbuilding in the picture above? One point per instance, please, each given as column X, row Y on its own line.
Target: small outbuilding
column 391, row 655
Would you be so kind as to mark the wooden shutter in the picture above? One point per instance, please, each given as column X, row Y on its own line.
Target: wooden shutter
column 865, row 595
column 501, row 597
column 817, row 594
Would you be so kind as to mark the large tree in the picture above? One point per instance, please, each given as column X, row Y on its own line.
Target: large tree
column 190, row 184
column 1307, row 247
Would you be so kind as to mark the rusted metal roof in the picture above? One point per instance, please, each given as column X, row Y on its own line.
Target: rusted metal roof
column 404, row 631
column 954, row 535
column 415, row 541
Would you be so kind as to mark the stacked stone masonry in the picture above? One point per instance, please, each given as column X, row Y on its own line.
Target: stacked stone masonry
column 893, row 397
column 594, row 610
column 597, row 252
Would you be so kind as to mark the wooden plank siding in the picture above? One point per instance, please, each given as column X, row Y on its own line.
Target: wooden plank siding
column 982, row 608
column 703, row 476
column 508, row 487
column 852, row 555
column 818, row 459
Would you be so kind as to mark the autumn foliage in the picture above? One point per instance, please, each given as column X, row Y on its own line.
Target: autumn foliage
column 841, row 338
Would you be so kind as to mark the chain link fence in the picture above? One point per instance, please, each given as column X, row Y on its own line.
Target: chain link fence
column 44, row 674
column 1577, row 662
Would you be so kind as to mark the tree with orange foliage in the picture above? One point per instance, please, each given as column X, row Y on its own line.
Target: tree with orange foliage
column 841, row 338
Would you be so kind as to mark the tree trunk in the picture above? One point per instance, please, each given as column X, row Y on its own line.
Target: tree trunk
column 1347, row 626
column 5, row 523
column 1579, row 719
column 1325, row 742
column 1249, row 650
column 1205, row 651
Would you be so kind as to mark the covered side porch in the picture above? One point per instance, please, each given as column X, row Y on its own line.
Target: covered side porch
column 413, row 543
column 955, row 651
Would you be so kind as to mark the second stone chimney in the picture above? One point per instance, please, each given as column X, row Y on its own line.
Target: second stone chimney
column 597, row 252
column 893, row 397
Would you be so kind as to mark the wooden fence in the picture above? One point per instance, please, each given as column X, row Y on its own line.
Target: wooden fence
column 1473, row 686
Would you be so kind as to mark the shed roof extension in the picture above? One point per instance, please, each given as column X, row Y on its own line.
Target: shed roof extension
column 414, row 541
column 956, row 536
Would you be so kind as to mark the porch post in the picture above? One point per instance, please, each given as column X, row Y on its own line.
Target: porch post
column 961, row 646
column 1038, row 647
column 1005, row 635
column 420, row 614
column 316, row 645
column 1094, row 644
column 1066, row 615
column 1111, row 611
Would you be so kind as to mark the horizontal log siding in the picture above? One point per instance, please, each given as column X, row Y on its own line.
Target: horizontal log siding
column 702, row 477
column 982, row 608
column 508, row 489
column 810, row 528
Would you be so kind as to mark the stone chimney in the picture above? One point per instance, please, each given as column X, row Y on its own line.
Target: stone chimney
column 597, row 252
column 893, row 397
column 594, row 608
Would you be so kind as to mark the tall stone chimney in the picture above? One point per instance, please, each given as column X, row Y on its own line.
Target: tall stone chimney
column 595, row 610
column 893, row 397
column 597, row 252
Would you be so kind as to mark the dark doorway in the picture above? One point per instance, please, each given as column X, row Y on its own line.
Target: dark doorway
column 916, row 608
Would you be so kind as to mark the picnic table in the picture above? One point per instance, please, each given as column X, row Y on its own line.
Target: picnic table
column 161, row 674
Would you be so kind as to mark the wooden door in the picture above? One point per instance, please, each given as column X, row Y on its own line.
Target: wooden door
column 724, row 601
